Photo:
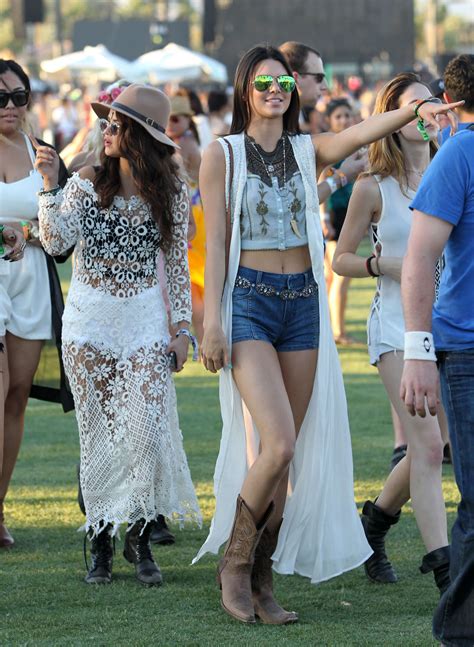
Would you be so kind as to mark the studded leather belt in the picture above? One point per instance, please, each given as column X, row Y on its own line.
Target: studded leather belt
column 285, row 294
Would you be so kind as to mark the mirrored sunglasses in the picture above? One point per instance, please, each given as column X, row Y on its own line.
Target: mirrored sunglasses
column 18, row 97
column 113, row 128
column 264, row 82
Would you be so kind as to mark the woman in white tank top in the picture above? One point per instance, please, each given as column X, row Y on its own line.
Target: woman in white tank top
column 25, row 305
column 380, row 202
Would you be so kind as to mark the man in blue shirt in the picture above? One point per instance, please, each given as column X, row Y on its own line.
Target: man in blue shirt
column 444, row 219
column 459, row 84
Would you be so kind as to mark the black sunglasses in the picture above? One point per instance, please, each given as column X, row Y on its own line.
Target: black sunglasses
column 19, row 98
column 318, row 76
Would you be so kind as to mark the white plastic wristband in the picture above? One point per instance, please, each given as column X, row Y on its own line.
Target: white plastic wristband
column 332, row 184
column 419, row 345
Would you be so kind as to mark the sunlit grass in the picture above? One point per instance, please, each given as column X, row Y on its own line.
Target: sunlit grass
column 43, row 600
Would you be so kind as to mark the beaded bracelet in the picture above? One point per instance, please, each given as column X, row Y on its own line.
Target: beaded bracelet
column 52, row 191
column 192, row 339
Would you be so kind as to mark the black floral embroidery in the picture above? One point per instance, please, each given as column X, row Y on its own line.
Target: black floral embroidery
column 262, row 209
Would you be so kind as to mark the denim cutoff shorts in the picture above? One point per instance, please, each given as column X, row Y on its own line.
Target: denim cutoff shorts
column 291, row 324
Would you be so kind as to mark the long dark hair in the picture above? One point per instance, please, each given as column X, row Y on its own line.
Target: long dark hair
column 7, row 65
column 241, row 112
column 153, row 169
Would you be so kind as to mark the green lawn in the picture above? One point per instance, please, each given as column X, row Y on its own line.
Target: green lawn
column 43, row 600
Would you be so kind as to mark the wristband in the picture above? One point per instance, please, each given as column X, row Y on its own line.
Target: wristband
column 419, row 345
column 192, row 339
column 52, row 191
column 368, row 267
column 417, row 105
column 331, row 182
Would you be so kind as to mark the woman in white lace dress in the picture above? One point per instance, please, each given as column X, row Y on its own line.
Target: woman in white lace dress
column 116, row 344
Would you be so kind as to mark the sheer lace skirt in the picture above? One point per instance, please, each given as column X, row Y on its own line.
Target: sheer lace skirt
column 133, row 464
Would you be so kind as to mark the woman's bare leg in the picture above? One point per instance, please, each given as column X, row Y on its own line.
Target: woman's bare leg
column 23, row 358
column 3, row 392
column 425, row 454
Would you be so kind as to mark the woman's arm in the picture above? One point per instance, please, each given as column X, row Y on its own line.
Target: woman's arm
column 215, row 354
column 332, row 148
column 364, row 207
column 176, row 263
column 60, row 211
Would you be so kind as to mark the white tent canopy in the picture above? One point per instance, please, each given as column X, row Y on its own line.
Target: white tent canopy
column 97, row 61
column 176, row 63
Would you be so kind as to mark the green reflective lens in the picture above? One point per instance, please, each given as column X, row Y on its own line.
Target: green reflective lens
column 287, row 83
column 263, row 82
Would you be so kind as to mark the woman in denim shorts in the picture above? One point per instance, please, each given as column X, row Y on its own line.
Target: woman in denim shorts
column 283, row 479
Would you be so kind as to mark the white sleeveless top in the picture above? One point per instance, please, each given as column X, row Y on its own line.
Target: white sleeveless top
column 25, row 304
column 391, row 232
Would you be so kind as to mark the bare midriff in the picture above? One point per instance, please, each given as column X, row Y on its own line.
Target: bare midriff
column 288, row 261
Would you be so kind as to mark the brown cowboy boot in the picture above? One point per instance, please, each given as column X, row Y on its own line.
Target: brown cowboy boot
column 235, row 567
column 266, row 607
column 6, row 540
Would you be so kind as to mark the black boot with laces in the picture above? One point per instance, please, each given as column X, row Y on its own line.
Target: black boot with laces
column 376, row 524
column 137, row 551
column 100, row 571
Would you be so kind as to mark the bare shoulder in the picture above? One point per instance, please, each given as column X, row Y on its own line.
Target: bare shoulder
column 213, row 159
column 366, row 191
column 87, row 173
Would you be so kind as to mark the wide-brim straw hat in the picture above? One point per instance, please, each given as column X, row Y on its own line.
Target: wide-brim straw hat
column 147, row 106
column 181, row 105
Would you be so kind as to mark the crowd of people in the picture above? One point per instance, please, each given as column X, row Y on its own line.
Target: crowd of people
column 264, row 204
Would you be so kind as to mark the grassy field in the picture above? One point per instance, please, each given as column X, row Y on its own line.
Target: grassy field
column 43, row 600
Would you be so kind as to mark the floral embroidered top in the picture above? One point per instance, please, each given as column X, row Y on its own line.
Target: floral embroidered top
column 116, row 248
column 273, row 205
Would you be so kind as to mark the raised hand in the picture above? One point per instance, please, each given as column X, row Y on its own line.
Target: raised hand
column 46, row 163
column 440, row 115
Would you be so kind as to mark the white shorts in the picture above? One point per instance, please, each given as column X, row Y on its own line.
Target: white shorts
column 375, row 346
column 25, row 302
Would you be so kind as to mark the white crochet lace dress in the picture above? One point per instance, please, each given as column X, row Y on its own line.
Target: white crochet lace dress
column 115, row 333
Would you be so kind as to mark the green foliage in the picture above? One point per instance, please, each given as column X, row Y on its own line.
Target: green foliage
column 45, row 602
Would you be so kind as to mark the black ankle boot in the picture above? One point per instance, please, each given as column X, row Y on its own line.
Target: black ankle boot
column 137, row 551
column 376, row 524
column 438, row 562
column 100, row 571
column 160, row 533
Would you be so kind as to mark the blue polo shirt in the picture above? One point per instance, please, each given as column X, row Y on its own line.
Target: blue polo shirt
column 447, row 192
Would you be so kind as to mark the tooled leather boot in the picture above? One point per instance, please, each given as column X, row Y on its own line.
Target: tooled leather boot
column 100, row 571
column 265, row 605
column 6, row 540
column 235, row 568
column 137, row 551
column 376, row 524
column 438, row 561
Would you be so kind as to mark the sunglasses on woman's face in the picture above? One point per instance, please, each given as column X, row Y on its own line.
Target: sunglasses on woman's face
column 175, row 119
column 105, row 125
column 264, row 82
column 18, row 97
